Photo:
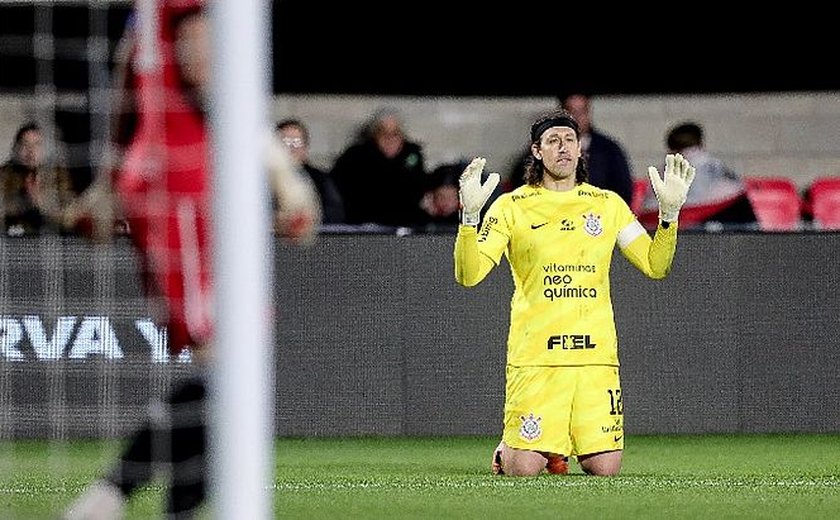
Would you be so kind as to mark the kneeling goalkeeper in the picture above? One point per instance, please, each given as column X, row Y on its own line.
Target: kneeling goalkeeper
column 558, row 233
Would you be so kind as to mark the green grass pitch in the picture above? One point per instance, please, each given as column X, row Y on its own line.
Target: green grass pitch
column 669, row 477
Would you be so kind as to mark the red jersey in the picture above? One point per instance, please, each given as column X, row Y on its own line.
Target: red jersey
column 164, row 181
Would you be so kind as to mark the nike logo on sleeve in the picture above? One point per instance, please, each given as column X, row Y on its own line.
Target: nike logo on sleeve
column 536, row 226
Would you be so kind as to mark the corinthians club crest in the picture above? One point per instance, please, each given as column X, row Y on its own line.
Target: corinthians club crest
column 592, row 224
column 530, row 429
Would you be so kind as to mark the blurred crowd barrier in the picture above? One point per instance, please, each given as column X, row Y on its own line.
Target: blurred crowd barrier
column 375, row 337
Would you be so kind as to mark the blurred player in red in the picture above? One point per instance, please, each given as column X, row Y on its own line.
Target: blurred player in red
column 159, row 180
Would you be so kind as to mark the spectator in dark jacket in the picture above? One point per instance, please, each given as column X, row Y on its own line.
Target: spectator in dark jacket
column 382, row 176
column 33, row 192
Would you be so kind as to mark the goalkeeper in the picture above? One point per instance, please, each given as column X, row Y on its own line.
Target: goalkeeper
column 558, row 233
column 160, row 184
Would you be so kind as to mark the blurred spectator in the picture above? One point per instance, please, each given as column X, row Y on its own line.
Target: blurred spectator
column 441, row 202
column 34, row 192
column 295, row 135
column 717, row 194
column 605, row 158
column 382, row 176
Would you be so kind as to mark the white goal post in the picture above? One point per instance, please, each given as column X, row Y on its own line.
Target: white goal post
column 242, row 432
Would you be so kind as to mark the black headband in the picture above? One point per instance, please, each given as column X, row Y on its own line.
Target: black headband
column 542, row 125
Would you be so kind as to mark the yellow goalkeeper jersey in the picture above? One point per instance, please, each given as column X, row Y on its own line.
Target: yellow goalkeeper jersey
column 559, row 246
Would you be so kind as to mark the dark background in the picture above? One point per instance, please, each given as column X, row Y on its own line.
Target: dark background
column 453, row 49
column 458, row 48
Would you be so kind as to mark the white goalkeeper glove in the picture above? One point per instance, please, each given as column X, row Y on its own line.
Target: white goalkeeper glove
column 472, row 193
column 672, row 191
column 298, row 216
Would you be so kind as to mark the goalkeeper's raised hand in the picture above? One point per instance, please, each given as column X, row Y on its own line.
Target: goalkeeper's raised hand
column 671, row 190
column 472, row 193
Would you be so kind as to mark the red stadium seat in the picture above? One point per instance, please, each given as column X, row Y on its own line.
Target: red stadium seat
column 776, row 203
column 691, row 217
column 824, row 202
column 640, row 191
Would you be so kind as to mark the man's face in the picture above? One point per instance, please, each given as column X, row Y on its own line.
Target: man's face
column 295, row 141
column 559, row 151
column 30, row 149
column 446, row 200
column 389, row 137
